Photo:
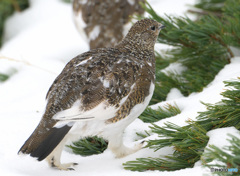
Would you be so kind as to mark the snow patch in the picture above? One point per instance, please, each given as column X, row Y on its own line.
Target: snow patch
column 49, row 40
column 176, row 68
column 174, row 94
column 219, row 137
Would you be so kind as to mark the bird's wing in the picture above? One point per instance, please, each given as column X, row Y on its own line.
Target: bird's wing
column 100, row 84
column 92, row 86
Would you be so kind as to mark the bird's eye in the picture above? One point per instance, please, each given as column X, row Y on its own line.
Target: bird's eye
column 153, row 28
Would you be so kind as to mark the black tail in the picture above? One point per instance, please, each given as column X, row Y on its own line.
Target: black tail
column 50, row 143
column 43, row 141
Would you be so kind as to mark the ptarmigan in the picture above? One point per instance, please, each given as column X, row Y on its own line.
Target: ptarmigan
column 104, row 21
column 99, row 92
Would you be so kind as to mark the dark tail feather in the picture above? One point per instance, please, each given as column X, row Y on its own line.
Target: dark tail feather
column 49, row 144
column 43, row 141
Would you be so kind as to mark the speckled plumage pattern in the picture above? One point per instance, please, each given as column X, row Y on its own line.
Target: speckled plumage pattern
column 103, row 20
column 99, row 92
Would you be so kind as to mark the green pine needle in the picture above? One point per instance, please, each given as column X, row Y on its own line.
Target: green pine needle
column 7, row 7
column 214, row 6
column 144, row 134
column 150, row 115
column 143, row 164
column 229, row 156
column 89, row 146
column 3, row 77
column 201, row 46
column 190, row 141
column 225, row 113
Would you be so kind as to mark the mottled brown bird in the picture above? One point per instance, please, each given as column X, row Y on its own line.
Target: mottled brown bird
column 104, row 22
column 99, row 92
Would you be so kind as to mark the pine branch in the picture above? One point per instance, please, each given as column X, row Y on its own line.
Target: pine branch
column 205, row 13
column 89, row 146
column 3, row 77
column 143, row 164
column 7, row 7
column 150, row 115
column 144, row 135
column 228, row 156
column 211, row 6
column 190, row 141
column 225, row 113
column 202, row 46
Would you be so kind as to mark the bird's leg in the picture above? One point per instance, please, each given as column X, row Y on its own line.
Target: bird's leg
column 54, row 158
column 119, row 149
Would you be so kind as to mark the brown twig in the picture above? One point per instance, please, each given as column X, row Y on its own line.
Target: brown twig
column 16, row 5
column 226, row 46
column 26, row 63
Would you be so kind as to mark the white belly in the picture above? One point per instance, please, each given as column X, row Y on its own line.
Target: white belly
column 107, row 130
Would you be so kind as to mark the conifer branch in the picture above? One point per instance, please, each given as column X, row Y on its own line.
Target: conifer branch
column 89, row 146
column 150, row 115
column 228, row 156
column 226, row 46
column 205, row 13
column 190, row 141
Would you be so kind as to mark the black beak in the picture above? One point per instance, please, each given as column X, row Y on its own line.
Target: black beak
column 161, row 27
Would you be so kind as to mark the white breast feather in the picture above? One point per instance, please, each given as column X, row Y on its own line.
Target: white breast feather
column 100, row 113
column 73, row 114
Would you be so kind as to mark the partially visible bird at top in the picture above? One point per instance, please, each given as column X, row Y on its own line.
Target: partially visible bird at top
column 99, row 92
column 104, row 23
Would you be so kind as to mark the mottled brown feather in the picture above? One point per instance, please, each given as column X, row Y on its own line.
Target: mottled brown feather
column 109, row 15
column 102, row 75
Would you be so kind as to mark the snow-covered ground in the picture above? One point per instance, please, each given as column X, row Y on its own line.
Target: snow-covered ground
column 38, row 43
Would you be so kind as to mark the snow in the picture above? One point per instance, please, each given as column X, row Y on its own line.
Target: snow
column 220, row 138
column 176, row 68
column 38, row 43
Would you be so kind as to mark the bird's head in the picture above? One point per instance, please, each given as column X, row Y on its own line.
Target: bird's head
column 142, row 35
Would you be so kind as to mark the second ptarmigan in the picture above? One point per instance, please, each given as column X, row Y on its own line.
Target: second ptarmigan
column 99, row 92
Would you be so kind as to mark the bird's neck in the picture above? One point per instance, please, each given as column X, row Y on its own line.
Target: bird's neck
column 137, row 52
column 134, row 47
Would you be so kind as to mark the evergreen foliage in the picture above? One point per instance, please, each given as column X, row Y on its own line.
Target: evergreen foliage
column 144, row 134
column 7, row 7
column 3, row 77
column 67, row 1
column 228, row 157
column 150, row 115
column 189, row 141
column 225, row 113
column 202, row 46
column 213, row 7
column 89, row 146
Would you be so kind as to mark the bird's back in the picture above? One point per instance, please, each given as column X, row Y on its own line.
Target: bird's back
column 110, row 85
column 95, row 78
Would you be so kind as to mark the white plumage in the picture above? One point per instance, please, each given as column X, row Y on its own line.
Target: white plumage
column 99, row 92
